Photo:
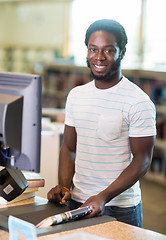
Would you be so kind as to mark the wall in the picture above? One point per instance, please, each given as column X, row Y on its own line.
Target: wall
column 33, row 26
column 33, row 23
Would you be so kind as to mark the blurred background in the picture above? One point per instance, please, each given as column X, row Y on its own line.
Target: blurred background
column 36, row 32
column 46, row 37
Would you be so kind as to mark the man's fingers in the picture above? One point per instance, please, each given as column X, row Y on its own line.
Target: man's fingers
column 66, row 197
column 55, row 194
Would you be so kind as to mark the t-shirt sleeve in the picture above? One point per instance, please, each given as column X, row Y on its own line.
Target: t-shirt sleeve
column 142, row 118
column 68, row 110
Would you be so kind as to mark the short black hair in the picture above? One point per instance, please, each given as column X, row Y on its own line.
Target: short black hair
column 110, row 26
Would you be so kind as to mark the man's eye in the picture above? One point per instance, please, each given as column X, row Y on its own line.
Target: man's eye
column 92, row 49
column 109, row 51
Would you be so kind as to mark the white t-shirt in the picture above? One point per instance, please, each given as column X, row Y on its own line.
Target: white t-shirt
column 104, row 120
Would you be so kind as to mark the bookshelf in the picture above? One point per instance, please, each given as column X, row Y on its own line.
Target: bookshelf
column 154, row 84
column 24, row 58
column 60, row 79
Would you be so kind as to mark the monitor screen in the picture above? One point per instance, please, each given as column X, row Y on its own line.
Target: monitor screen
column 20, row 121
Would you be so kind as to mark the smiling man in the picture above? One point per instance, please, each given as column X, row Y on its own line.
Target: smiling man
column 110, row 125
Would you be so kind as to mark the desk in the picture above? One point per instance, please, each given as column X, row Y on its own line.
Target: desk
column 110, row 230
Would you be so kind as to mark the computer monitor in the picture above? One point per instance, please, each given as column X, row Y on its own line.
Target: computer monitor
column 20, row 121
column 20, row 130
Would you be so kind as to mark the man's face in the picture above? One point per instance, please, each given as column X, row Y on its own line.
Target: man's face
column 103, row 55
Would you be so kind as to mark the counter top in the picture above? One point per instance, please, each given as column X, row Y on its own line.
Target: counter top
column 110, row 230
column 113, row 230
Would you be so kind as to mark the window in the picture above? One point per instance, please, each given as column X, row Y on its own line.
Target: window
column 155, row 35
column 143, row 21
column 84, row 12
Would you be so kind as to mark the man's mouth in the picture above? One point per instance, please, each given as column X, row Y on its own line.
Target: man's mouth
column 99, row 68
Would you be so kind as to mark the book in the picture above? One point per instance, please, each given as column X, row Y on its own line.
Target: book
column 65, row 217
column 31, row 189
column 34, row 179
column 23, row 196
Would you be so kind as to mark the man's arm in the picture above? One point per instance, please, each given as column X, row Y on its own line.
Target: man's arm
column 66, row 161
column 142, row 150
column 66, row 167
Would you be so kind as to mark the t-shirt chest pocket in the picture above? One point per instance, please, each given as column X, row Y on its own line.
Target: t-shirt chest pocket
column 109, row 127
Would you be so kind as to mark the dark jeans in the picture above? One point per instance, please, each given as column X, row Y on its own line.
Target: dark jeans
column 129, row 215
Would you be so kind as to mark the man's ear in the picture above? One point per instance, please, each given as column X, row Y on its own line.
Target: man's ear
column 123, row 53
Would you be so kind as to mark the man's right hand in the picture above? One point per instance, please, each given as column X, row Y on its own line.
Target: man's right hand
column 59, row 194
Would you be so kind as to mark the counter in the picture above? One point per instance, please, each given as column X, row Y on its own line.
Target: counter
column 110, row 230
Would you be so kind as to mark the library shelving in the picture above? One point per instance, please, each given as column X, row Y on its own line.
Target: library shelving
column 59, row 80
column 154, row 84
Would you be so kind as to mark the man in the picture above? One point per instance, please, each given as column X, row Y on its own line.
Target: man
column 110, row 124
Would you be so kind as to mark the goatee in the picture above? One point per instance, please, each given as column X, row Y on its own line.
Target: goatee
column 107, row 76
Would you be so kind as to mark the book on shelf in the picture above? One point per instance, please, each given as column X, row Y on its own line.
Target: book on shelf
column 164, row 131
column 161, row 129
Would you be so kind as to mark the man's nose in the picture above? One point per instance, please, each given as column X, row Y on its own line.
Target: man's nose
column 100, row 56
